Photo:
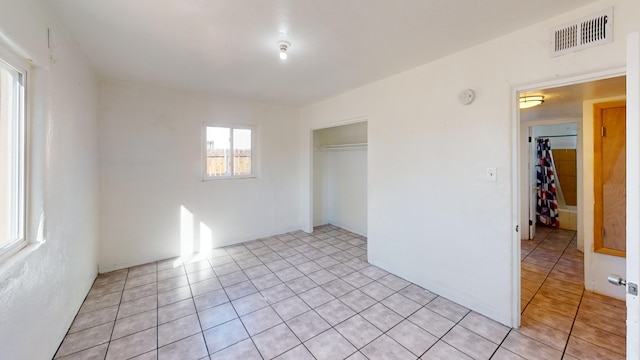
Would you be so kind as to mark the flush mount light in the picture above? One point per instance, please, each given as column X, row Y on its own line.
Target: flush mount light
column 531, row 101
column 283, row 46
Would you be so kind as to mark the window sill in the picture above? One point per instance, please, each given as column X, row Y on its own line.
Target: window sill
column 227, row 178
column 16, row 255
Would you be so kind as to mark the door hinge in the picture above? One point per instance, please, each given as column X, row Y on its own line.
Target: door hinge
column 529, row 138
column 517, row 228
column 604, row 131
column 530, row 222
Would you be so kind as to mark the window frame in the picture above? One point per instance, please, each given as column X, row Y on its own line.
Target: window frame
column 15, row 63
column 231, row 128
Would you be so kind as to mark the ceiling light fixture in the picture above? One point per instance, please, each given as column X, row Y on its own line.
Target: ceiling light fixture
column 284, row 46
column 531, row 101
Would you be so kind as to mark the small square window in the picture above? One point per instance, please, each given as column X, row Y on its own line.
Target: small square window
column 229, row 152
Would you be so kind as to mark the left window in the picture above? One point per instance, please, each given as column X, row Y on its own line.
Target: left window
column 229, row 152
column 12, row 157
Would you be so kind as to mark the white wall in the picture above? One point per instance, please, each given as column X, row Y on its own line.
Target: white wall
column 42, row 288
column 557, row 133
column 438, row 222
column 340, row 177
column 151, row 166
column 597, row 266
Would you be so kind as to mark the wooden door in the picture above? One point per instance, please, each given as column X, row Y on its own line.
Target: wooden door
column 610, row 178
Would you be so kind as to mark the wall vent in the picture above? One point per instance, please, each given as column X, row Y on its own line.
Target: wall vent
column 583, row 33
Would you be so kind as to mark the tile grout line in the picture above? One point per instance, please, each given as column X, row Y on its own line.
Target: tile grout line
column 566, row 345
column 117, row 312
column 548, row 273
column 233, row 307
column 297, row 294
column 541, row 285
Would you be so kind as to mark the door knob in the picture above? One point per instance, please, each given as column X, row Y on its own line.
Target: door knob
column 616, row 280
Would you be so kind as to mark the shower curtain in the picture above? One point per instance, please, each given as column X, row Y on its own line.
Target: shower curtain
column 547, row 206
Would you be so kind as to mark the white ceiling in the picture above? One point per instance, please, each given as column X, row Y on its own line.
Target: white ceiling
column 566, row 101
column 228, row 47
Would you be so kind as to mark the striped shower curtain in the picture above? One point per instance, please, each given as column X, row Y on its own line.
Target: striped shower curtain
column 547, row 206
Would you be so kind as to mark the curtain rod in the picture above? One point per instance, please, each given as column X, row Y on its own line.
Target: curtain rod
column 552, row 136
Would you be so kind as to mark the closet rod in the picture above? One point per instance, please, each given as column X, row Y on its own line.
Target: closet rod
column 553, row 136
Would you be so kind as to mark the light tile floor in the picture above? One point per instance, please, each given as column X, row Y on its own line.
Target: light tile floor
column 300, row 296
column 556, row 310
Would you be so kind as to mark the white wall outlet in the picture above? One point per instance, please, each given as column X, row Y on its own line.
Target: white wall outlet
column 492, row 174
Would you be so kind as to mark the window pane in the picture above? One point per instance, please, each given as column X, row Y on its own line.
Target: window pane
column 241, row 152
column 218, row 151
column 11, row 157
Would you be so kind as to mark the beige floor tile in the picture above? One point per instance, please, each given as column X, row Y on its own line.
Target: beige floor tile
column 543, row 333
column 546, row 255
column 572, row 287
column 85, row 339
column 527, row 294
column 535, row 268
column 562, row 296
column 557, row 274
column 610, row 311
column 602, row 322
column 585, row 350
column 605, row 299
column 222, row 287
column 529, row 348
column 485, row 327
column 533, row 276
column 601, row 338
column 442, row 350
column 531, row 285
column 555, row 306
column 559, row 322
column 504, row 354
column 542, row 263
column 470, row 343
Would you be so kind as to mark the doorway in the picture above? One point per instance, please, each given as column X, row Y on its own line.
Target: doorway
column 572, row 103
column 563, row 139
column 340, row 177
column 555, row 307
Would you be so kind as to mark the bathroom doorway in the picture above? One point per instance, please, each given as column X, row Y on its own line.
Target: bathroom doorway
column 566, row 119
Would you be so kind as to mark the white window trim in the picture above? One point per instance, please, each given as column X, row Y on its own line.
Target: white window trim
column 9, row 59
column 254, row 163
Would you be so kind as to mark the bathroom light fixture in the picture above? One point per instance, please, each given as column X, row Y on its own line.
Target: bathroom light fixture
column 531, row 101
column 284, row 46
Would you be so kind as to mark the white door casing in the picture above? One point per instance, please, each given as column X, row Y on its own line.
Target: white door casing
column 633, row 192
column 533, row 193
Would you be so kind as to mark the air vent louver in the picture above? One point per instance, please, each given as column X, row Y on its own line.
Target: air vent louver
column 581, row 34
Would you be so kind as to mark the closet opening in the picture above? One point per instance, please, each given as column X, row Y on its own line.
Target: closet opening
column 340, row 177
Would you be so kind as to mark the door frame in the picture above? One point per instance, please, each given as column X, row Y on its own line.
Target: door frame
column 633, row 193
column 526, row 147
column 310, row 214
column 517, row 170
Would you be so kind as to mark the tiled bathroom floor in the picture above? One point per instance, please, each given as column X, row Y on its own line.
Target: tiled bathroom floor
column 557, row 312
column 296, row 296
